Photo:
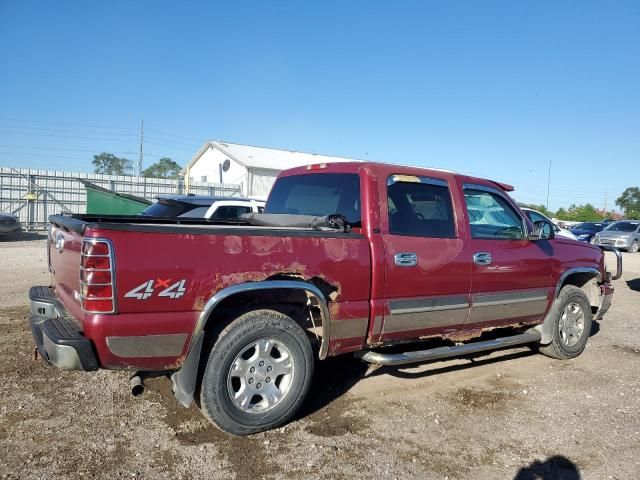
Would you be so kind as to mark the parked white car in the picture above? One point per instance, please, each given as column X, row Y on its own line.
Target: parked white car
column 536, row 216
column 203, row 206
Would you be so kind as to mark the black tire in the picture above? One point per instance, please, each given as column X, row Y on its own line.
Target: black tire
column 217, row 390
column 634, row 247
column 562, row 344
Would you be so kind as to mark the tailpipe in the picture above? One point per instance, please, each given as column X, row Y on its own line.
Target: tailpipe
column 137, row 385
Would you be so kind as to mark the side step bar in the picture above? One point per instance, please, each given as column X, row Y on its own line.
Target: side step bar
column 377, row 358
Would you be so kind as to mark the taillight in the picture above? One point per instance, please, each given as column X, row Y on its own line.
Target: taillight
column 97, row 290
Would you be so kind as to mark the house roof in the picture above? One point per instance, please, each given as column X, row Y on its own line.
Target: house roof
column 265, row 158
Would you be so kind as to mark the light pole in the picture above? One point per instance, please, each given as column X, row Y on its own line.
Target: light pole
column 548, row 183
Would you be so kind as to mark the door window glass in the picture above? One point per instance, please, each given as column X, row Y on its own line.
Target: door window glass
column 491, row 216
column 420, row 209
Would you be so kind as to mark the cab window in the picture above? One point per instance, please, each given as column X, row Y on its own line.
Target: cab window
column 420, row 208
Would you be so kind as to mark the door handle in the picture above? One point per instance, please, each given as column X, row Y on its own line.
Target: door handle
column 406, row 259
column 482, row 258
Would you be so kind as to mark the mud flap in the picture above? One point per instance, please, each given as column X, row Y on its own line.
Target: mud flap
column 184, row 380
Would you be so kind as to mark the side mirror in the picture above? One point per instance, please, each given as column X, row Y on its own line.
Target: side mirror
column 542, row 231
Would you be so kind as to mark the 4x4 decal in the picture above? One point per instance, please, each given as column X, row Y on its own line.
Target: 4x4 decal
column 148, row 288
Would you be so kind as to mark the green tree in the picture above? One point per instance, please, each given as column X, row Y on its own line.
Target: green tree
column 109, row 164
column 580, row 213
column 163, row 168
column 561, row 214
column 540, row 208
column 629, row 201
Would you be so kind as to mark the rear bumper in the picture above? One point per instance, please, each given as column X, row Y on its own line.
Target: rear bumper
column 58, row 337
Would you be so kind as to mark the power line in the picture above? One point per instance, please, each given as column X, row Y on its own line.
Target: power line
column 66, row 157
column 67, row 124
column 63, row 131
column 175, row 136
column 84, row 137
column 190, row 145
column 174, row 147
column 60, row 149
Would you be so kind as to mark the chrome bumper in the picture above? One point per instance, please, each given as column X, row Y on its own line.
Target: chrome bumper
column 58, row 337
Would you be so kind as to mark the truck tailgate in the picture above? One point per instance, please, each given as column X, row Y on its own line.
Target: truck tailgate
column 64, row 262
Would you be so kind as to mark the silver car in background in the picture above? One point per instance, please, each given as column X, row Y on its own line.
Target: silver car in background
column 624, row 234
column 9, row 224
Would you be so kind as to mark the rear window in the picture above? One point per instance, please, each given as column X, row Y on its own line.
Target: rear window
column 317, row 194
column 163, row 208
column 229, row 212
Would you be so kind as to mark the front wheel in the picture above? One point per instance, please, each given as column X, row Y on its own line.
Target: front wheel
column 571, row 316
column 634, row 247
column 258, row 373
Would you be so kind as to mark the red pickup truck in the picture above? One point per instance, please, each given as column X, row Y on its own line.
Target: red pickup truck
column 348, row 257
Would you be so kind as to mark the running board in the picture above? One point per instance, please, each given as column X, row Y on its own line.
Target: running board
column 377, row 358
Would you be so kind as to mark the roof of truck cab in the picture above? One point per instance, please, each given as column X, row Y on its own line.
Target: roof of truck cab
column 391, row 168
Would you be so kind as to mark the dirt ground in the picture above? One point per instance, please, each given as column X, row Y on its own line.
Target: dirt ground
column 512, row 414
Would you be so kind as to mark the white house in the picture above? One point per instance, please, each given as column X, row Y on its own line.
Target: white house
column 254, row 168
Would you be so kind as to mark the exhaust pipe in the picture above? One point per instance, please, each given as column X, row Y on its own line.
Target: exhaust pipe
column 137, row 385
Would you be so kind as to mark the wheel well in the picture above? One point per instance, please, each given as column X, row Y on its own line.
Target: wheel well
column 588, row 282
column 294, row 303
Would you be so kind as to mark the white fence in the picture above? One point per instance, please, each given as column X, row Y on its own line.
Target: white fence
column 33, row 195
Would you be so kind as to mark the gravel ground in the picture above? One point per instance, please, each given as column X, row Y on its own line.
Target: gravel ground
column 512, row 414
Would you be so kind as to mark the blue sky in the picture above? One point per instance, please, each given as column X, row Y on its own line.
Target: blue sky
column 496, row 89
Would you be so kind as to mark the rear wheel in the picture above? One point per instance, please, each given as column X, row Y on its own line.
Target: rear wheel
column 258, row 373
column 571, row 316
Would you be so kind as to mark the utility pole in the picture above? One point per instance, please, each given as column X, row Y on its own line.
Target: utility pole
column 605, row 203
column 141, row 148
column 548, row 183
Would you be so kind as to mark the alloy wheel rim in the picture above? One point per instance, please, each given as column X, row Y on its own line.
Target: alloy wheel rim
column 571, row 325
column 261, row 376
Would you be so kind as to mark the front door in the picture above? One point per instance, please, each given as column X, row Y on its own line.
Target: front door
column 427, row 267
column 511, row 275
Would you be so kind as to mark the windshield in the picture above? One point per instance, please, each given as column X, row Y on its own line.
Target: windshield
column 623, row 227
column 588, row 226
column 318, row 195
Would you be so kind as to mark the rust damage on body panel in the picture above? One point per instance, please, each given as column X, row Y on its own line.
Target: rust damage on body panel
column 467, row 335
column 175, row 365
column 199, row 303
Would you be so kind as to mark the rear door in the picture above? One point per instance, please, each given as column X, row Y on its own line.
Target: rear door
column 427, row 265
column 511, row 275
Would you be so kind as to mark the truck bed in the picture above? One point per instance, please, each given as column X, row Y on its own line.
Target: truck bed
column 79, row 223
